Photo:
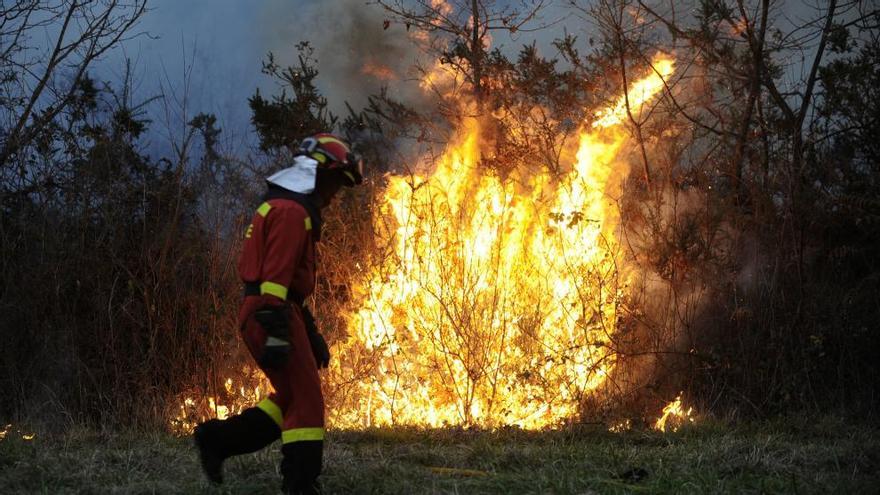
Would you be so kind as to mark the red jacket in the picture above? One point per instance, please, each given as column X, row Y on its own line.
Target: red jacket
column 279, row 255
column 279, row 251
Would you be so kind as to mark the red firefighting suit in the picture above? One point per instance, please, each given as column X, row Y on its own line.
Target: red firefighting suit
column 278, row 257
column 277, row 266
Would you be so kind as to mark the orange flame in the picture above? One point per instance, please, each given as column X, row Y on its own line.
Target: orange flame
column 639, row 94
column 24, row 436
column 378, row 71
column 497, row 300
column 674, row 416
column 252, row 387
column 440, row 79
column 620, row 426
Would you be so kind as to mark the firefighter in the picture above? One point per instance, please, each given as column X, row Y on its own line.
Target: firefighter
column 277, row 266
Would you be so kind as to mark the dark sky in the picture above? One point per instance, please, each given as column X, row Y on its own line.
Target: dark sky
column 216, row 48
column 209, row 50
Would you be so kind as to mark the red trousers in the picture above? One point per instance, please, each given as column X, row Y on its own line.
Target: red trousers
column 297, row 404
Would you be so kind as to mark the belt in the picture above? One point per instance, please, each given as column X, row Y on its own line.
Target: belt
column 253, row 289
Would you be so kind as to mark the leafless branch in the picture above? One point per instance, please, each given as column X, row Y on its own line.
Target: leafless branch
column 86, row 30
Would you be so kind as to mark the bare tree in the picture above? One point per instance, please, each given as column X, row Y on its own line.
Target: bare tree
column 732, row 37
column 462, row 29
column 742, row 185
column 39, row 81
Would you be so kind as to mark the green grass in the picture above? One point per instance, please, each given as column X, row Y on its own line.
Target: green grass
column 801, row 455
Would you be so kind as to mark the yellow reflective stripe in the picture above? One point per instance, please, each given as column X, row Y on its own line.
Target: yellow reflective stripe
column 349, row 175
column 272, row 409
column 264, row 208
column 320, row 157
column 274, row 289
column 302, row 435
column 308, row 223
column 328, row 139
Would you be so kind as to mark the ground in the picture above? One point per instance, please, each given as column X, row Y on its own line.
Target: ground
column 792, row 455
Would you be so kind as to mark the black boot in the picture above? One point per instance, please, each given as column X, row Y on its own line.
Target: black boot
column 217, row 439
column 301, row 467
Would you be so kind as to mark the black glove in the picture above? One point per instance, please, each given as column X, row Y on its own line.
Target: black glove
column 319, row 345
column 274, row 320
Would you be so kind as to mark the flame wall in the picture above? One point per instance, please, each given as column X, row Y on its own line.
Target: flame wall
column 491, row 302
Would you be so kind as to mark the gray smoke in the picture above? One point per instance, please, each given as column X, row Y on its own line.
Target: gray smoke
column 356, row 54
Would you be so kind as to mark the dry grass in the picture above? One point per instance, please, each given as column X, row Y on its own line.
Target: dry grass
column 799, row 455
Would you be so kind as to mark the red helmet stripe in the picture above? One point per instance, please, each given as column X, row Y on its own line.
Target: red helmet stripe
column 328, row 139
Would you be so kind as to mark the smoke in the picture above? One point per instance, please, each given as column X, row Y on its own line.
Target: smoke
column 676, row 260
column 357, row 52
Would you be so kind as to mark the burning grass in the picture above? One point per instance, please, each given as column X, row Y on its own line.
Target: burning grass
column 793, row 455
column 495, row 301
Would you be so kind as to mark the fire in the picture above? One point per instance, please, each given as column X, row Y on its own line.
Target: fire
column 379, row 71
column 620, row 426
column 674, row 416
column 494, row 302
column 440, row 79
column 24, row 436
column 640, row 94
column 236, row 395
column 490, row 302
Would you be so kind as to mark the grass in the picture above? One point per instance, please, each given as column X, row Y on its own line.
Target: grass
column 794, row 455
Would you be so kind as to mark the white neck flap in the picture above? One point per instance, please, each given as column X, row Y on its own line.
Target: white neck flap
column 299, row 177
